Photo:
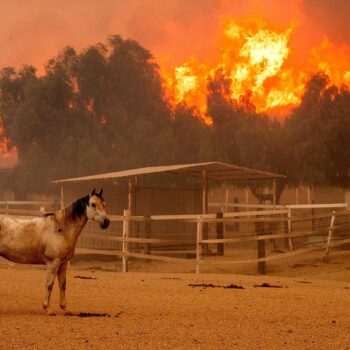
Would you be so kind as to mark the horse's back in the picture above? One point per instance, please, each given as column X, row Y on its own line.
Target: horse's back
column 22, row 240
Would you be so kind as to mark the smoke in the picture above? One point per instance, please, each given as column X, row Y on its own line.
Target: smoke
column 32, row 31
column 331, row 17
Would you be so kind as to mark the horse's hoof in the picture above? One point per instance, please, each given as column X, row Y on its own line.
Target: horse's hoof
column 68, row 313
column 50, row 313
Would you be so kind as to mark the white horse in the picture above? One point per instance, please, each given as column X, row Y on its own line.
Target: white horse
column 51, row 239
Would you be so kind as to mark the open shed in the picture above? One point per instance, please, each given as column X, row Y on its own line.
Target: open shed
column 127, row 190
column 128, row 186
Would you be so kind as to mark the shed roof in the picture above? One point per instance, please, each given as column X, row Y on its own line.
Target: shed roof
column 213, row 170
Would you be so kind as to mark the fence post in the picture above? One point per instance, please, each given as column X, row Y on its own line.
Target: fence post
column 290, row 242
column 259, row 227
column 220, row 233
column 198, row 246
column 148, row 234
column 330, row 234
column 312, row 214
column 126, row 225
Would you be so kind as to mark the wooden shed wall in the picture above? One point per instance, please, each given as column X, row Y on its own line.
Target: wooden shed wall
column 149, row 201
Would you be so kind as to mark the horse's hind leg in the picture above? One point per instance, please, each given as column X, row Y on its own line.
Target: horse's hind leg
column 52, row 269
column 62, row 281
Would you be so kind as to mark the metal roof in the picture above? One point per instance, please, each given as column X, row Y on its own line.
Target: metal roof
column 214, row 171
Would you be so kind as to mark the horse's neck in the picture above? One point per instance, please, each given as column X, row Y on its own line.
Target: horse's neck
column 71, row 220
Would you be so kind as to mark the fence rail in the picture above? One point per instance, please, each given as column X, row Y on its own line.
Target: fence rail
column 278, row 206
column 16, row 207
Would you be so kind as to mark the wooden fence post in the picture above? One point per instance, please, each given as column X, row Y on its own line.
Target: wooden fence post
column 148, row 234
column 220, row 233
column 198, row 246
column 312, row 214
column 259, row 228
column 330, row 234
column 290, row 242
column 126, row 226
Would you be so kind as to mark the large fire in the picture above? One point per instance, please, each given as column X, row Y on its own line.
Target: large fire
column 256, row 60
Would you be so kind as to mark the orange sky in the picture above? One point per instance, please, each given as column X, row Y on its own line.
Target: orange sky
column 32, row 31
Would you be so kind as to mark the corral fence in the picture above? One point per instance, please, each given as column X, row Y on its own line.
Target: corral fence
column 241, row 237
column 250, row 233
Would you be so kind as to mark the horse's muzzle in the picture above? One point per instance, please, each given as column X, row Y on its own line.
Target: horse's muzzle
column 105, row 223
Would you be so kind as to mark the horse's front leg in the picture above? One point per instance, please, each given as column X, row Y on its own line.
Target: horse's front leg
column 62, row 281
column 52, row 269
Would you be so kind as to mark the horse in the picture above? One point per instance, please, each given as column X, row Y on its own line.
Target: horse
column 51, row 239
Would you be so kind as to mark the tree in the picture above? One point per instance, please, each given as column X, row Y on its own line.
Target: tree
column 99, row 110
column 318, row 134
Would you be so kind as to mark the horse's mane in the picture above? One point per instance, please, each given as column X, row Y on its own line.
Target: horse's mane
column 76, row 209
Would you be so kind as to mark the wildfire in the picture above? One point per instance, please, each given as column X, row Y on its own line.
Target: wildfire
column 256, row 60
column 8, row 156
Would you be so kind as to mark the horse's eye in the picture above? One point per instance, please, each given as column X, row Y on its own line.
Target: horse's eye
column 93, row 205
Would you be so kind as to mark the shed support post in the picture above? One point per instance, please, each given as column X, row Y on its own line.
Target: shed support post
column 148, row 234
column 198, row 245
column 220, row 233
column 274, row 225
column 131, row 208
column 290, row 242
column 205, row 228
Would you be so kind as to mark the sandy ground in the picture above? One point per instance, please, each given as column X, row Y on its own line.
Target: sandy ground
column 159, row 310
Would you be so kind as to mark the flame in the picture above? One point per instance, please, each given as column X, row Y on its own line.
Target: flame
column 8, row 156
column 256, row 59
column 334, row 61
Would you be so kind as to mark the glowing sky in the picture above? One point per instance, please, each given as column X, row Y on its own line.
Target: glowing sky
column 32, row 31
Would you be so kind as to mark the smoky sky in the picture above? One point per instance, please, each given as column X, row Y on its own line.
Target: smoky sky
column 332, row 16
column 33, row 31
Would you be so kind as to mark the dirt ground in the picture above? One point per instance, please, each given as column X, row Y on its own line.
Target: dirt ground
column 149, row 308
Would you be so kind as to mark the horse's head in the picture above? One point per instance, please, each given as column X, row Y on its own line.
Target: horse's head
column 95, row 210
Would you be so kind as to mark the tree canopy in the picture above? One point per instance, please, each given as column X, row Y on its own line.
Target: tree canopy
column 104, row 109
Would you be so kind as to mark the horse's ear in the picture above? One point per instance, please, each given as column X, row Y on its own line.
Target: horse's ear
column 101, row 191
column 92, row 192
